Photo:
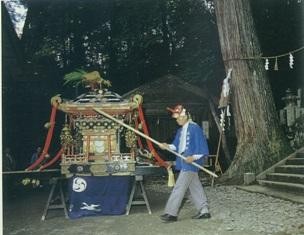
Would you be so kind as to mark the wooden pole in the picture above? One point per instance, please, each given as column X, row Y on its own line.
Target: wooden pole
column 29, row 172
column 152, row 140
column 217, row 164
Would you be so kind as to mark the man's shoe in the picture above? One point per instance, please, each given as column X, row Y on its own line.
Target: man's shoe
column 163, row 216
column 168, row 218
column 202, row 216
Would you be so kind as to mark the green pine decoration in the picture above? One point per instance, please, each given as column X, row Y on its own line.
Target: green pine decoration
column 91, row 79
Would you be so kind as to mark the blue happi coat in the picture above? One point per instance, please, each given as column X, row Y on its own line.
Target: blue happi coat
column 196, row 144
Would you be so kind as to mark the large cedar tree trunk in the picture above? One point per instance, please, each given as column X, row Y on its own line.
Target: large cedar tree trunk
column 260, row 142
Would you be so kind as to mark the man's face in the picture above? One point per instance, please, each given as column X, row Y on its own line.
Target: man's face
column 181, row 120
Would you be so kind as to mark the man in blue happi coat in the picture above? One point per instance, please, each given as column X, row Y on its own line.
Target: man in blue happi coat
column 189, row 141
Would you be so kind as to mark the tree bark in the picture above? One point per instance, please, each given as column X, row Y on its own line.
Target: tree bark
column 260, row 142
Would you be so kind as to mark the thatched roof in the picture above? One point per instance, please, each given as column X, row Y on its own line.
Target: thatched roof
column 168, row 91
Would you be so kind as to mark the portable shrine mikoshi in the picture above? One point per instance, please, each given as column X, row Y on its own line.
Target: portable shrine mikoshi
column 96, row 146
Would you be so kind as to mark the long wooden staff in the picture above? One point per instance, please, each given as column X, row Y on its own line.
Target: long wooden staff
column 152, row 140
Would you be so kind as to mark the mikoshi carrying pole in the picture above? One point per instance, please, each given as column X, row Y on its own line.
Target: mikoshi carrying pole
column 152, row 140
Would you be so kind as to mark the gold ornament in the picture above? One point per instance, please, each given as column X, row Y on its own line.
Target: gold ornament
column 138, row 99
column 131, row 139
column 56, row 100
column 66, row 137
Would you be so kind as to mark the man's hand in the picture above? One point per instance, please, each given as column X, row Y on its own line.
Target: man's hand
column 169, row 165
column 190, row 159
column 164, row 146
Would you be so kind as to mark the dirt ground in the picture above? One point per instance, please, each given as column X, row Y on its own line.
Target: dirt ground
column 234, row 212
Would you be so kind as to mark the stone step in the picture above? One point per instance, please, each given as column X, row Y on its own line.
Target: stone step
column 274, row 192
column 283, row 185
column 290, row 169
column 295, row 161
column 300, row 155
column 284, row 177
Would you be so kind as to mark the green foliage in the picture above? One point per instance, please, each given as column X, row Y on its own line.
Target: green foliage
column 135, row 41
column 74, row 78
